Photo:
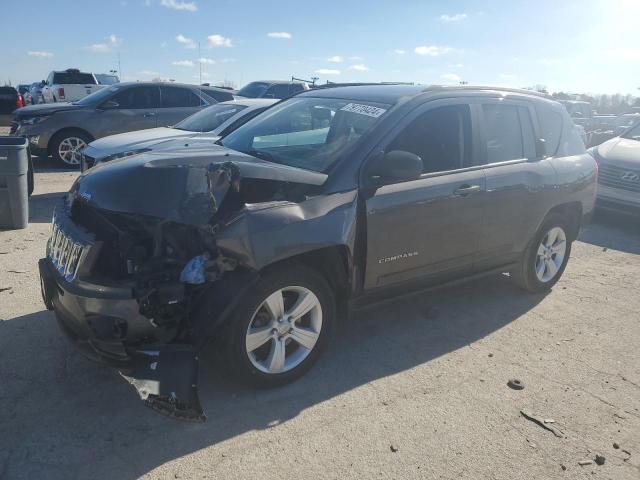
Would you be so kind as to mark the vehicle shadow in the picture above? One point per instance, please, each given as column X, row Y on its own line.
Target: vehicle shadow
column 41, row 206
column 64, row 417
column 614, row 230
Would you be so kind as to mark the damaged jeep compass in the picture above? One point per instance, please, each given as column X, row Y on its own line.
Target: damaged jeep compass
column 328, row 200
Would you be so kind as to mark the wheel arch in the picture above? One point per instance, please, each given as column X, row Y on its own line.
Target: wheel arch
column 572, row 211
column 66, row 130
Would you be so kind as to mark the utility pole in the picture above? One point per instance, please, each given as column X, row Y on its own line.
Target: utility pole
column 200, row 63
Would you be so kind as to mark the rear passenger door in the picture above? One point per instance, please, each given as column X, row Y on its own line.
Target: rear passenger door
column 427, row 229
column 516, row 175
column 177, row 103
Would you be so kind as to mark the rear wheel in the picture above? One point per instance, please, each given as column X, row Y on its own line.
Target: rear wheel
column 545, row 259
column 65, row 147
column 281, row 326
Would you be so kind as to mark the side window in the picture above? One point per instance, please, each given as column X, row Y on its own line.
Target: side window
column 440, row 137
column 550, row 128
column 503, row 133
column 137, row 98
column 278, row 91
column 173, row 97
column 218, row 96
column 241, row 121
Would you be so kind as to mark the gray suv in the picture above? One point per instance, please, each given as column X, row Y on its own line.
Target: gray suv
column 334, row 198
column 63, row 129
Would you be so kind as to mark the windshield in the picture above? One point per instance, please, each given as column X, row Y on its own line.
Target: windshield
column 309, row 133
column 633, row 133
column 98, row 97
column 253, row 90
column 627, row 120
column 104, row 79
column 210, row 118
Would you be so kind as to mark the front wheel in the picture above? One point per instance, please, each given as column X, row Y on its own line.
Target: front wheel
column 66, row 146
column 545, row 259
column 281, row 326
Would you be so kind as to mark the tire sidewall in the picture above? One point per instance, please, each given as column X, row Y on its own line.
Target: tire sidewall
column 289, row 275
column 554, row 220
column 59, row 138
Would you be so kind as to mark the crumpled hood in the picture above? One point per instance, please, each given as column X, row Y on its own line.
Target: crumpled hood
column 46, row 109
column 123, row 142
column 175, row 185
column 622, row 150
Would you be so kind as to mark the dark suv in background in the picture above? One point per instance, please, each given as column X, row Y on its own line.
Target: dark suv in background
column 63, row 129
column 336, row 197
column 272, row 89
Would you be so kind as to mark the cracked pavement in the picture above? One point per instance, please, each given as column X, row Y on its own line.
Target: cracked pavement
column 426, row 375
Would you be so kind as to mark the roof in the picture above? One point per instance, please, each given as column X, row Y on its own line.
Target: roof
column 278, row 82
column 172, row 84
column 391, row 94
column 250, row 102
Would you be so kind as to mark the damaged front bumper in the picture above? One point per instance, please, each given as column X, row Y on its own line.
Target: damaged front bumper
column 96, row 319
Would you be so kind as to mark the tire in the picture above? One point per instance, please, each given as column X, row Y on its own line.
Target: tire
column 527, row 275
column 254, row 317
column 67, row 141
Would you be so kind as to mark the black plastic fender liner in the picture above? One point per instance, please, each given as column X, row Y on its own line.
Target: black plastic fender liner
column 166, row 378
column 217, row 303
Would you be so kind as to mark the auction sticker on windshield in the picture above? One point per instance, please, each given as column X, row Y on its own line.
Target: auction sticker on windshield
column 367, row 110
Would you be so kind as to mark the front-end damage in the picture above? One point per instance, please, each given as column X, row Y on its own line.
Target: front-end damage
column 134, row 298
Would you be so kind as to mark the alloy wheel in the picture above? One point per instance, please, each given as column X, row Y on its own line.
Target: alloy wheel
column 69, row 150
column 284, row 330
column 550, row 254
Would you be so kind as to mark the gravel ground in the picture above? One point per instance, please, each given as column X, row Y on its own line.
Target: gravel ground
column 416, row 389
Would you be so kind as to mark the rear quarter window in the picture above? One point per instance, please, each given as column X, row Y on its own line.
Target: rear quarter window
column 73, row 78
column 550, row 128
column 217, row 95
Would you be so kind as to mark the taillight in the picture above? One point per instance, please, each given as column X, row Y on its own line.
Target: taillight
column 61, row 92
column 19, row 103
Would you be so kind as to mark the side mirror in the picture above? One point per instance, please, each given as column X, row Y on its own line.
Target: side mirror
column 43, row 83
column 110, row 105
column 396, row 166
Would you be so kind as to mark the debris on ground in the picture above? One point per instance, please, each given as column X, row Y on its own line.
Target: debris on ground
column 582, row 463
column 600, row 459
column 515, row 384
column 535, row 419
column 616, row 445
column 563, row 467
column 17, row 271
column 393, row 448
column 4, row 289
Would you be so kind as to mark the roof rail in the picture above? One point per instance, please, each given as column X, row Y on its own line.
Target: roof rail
column 486, row 87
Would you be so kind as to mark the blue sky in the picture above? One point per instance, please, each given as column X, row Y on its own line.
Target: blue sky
column 579, row 46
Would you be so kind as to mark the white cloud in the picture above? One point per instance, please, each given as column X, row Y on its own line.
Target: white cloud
column 177, row 5
column 149, row 73
column 110, row 42
column 399, row 51
column 335, row 59
column 327, row 71
column 219, row 41
column 183, row 63
column 355, row 59
column 432, row 50
column 450, row 77
column 207, row 61
column 40, row 54
column 359, row 67
column 187, row 42
column 457, row 18
column 285, row 35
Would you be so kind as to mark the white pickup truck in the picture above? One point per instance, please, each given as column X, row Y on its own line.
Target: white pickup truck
column 69, row 86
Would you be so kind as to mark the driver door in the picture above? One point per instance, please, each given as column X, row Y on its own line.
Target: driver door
column 428, row 228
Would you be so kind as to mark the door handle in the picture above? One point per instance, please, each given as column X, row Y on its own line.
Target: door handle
column 466, row 190
column 149, row 114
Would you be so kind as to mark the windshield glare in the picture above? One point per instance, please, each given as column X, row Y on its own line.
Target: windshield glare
column 210, row 118
column 309, row 133
column 98, row 97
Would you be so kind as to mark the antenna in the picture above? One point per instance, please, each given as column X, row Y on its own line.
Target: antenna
column 119, row 67
column 200, row 65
